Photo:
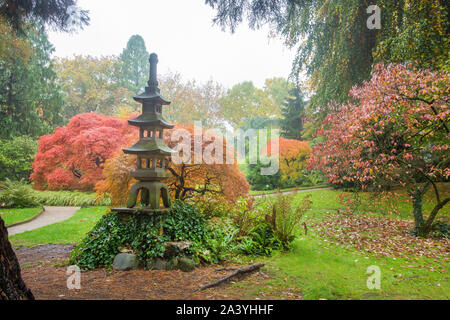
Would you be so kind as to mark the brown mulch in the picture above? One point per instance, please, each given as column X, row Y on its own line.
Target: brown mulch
column 44, row 271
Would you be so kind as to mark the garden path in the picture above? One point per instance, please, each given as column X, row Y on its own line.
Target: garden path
column 49, row 216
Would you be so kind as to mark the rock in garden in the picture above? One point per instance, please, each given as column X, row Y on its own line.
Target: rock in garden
column 172, row 264
column 174, row 249
column 186, row 264
column 159, row 264
column 125, row 261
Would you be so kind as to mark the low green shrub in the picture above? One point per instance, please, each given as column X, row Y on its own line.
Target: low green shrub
column 16, row 157
column 259, row 182
column 20, row 194
column 254, row 234
column 218, row 245
column 17, row 194
column 248, row 230
column 261, row 241
column 70, row 198
column 283, row 217
column 313, row 178
column 440, row 229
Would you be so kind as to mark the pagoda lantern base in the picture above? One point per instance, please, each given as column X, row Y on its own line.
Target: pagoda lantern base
column 151, row 193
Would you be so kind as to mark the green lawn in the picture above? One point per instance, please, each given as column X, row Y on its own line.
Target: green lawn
column 11, row 216
column 69, row 231
column 325, row 271
column 320, row 269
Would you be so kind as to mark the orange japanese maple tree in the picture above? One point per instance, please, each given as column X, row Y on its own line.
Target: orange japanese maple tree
column 187, row 180
column 293, row 154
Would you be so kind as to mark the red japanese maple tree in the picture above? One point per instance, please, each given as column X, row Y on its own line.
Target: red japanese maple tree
column 72, row 157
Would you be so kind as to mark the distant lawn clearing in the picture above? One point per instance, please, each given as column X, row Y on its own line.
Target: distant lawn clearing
column 371, row 202
column 261, row 192
column 70, row 231
column 11, row 216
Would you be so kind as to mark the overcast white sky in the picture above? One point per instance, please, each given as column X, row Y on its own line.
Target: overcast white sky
column 182, row 34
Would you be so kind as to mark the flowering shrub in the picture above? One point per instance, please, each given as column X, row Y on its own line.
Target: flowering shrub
column 396, row 134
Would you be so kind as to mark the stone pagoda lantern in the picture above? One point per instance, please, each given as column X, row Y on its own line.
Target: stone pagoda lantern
column 150, row 150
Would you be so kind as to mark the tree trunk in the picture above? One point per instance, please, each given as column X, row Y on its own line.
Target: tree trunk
column 422, row 227
column 428, row 225
column 417, row 196
column 12, row 286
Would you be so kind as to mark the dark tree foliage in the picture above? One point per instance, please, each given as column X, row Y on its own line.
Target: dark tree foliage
column 293, row 113
column 260, row 122
column 63, row 15
column 135, row 64
column 263, row 182
column 230, row 13
column 30, row 99
column 334, row 45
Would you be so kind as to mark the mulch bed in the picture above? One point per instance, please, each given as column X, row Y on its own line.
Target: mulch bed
column 44, row 272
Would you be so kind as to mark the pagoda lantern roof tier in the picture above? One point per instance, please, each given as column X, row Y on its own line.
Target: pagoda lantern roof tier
column 146, row 147
column 151, row 95
column 150, row 120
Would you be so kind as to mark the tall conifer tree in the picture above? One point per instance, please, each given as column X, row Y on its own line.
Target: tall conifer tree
column 135, row 64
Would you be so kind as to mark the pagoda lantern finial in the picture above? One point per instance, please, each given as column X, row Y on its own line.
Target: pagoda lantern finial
column 153, row 82
column 151, row 151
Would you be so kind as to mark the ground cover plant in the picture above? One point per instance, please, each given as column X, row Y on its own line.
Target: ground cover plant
column 247, row 230
column 141, row 233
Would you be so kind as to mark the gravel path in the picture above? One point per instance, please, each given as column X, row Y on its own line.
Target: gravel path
column 51, row 215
